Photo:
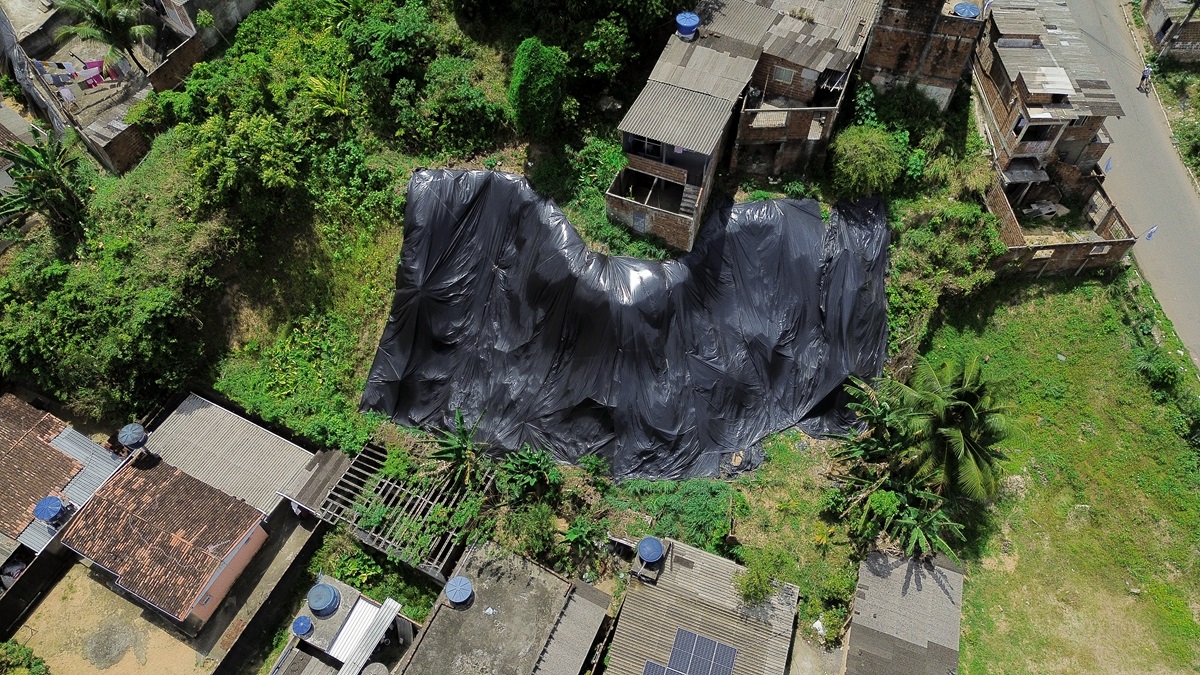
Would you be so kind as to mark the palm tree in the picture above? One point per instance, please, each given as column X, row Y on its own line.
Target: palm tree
column 459, row 449
column 44, row 183
column 111, row 22
column 956, row 425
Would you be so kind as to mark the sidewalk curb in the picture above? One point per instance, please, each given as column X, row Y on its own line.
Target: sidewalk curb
column 1140, row 45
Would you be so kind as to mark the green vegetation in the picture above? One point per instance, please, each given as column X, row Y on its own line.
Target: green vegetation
column 537, row 93
column 46, row 181
column 1098, row 518
column 17, row 659
column 113, row 23
column 343, row 557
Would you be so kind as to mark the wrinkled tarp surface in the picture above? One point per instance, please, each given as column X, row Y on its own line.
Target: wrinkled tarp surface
column 503, row 312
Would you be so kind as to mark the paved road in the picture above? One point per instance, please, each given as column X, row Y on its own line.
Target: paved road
column 1148, row 182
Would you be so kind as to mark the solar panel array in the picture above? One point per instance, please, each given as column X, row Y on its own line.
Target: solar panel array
column 695, row 655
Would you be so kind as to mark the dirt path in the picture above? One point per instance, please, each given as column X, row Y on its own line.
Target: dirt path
column 82, row 627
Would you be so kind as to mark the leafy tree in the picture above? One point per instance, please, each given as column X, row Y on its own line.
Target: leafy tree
column 957, row 424
column 45, row 182
column 114, row 23
column 609, row 48
column 866, row 160
column 537, row 93
column 17, row 659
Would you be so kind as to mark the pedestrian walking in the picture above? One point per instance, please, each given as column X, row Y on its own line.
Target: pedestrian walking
column 1144, row 85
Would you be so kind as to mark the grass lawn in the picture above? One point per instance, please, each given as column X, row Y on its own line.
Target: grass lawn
column 1091, row 566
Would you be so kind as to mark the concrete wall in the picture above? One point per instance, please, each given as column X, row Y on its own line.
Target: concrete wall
column 209, row 599
column 913, row 41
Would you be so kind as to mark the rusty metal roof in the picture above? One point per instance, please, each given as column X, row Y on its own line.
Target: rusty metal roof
column 30, row 468
column 678, row 116
column 162, row 532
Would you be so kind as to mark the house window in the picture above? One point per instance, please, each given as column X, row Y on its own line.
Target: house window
column 646, row 147
column 1078, row 121
column 1040, row 132
column 784, row 75
column 1100, row 250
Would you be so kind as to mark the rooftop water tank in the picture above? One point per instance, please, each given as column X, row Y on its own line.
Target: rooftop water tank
column 323, row 600
column 650, row 550
column 459, row 590
column 686, row 24
column 132, row 436
column 302, row 626
column 967, row 10
column 49, row 510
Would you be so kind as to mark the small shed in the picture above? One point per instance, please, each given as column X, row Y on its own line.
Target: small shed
column 907, row 614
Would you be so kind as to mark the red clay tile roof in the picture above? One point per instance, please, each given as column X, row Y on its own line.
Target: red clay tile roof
column 30, row 468
column 161, row 531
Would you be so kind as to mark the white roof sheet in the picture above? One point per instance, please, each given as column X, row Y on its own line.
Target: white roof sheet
column 352, row 632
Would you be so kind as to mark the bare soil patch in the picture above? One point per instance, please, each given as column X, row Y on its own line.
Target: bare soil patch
column 82, row 627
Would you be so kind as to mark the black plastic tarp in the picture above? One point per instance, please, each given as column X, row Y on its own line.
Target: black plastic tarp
column 503, row 313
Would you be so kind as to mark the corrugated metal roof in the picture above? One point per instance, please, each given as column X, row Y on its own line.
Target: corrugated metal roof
column 695, row 66
column 678, row 116
column 369, row 639
column 98, row 464
column 361, row 616
column 696, row 592
column 1062, row 50
column 573, row 635
column 738, row 19
column 907, row 617
column 229, row 452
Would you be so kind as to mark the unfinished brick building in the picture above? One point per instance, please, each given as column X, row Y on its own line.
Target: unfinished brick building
column 1163, row 17
column 1043, row 100
column 926, row 42
column 766, row 78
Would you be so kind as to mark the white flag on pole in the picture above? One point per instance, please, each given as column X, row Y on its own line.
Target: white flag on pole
column 1150, row 233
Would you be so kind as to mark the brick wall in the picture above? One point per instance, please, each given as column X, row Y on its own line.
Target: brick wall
column 178, row 64
column 649, row 166
column 673, row 228
column 802, row 87
column 913, row 41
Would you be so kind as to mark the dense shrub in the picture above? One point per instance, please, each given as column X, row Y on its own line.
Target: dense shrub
column 866, row 160
column 17, row 659
column 537, row 92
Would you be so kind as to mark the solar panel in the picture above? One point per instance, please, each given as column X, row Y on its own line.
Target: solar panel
column 694, row 654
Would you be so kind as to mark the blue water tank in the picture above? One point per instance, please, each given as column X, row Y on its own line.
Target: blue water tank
column 48, row 509
column 323, row 600
column 650, row 550
column 132, row 436
column 686, row 24
column 967, row 10
column 302, row 626
column 458, row 590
